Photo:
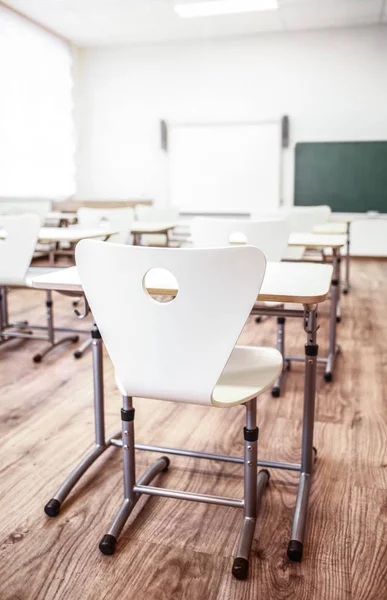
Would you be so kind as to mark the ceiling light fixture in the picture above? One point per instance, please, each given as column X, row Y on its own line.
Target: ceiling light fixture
column 223, row 7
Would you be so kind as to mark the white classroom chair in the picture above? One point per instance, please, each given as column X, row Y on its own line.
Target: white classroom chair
column 105, row 217
column 159, row 353
column 18, row 238
column 269, row 235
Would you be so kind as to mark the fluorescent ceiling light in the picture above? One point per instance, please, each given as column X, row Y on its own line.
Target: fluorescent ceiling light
column 223, row 7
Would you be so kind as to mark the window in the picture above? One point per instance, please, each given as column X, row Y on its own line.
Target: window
column 37, row 141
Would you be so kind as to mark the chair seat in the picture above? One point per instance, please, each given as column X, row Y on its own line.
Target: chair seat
column 249, row 372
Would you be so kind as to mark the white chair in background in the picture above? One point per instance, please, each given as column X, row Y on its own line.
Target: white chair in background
column 157, row 215
column 269, row 235
column 18, row 238
column 300, row 219
column 182, row 350
column 108, row 217
column 32, row 206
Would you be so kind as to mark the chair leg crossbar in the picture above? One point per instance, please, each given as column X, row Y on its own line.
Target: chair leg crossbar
column 254, row 486
column 24, row 330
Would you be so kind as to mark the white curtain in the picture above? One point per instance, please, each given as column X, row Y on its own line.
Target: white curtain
column 37, row 142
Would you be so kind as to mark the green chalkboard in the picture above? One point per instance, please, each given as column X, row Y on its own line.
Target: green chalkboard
column 348, row 176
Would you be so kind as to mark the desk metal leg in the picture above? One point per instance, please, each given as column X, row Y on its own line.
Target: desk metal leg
column 347, row 260
column 51, row 331
column 52, row 508
column 296, row 544
column 335, row 293
column 338, row 307
column 276, row 389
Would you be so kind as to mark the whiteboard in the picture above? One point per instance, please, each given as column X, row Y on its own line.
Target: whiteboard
column 225, row 167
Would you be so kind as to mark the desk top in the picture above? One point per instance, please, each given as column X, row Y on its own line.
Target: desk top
column 315, row 240
column 73, row 234
column 139, row 227
column 296, row 283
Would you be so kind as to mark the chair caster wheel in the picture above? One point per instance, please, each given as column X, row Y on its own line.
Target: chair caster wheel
column 275, row 392
column 108, row 544
column 37, row 358
column 258, row 319
column 75, row 338
column 167, row 461
column 338, row 319
column 345, row 292
column 77, row 354
column 295, row 549
column 328, row 377
column 240, row 568
column 52, row 508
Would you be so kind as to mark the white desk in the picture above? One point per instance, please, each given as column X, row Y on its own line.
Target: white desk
column 74, row 234
column 316, row 241
column 139, row 228
column 284, row 282
column 71, row 235
column 64, row 218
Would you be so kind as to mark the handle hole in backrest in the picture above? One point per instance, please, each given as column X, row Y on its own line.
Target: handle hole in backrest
column 160, row 285
column 237, row 238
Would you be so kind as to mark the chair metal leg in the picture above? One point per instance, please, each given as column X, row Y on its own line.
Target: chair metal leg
column 79, row 352
column 109, row 541
column 253, row 490
column 276, row 389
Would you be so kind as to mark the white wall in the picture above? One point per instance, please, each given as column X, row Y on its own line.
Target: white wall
column 332, row 84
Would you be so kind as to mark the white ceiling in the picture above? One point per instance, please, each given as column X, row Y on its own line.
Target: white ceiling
column 103, row 22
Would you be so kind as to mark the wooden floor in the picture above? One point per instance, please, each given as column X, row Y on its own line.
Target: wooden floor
column 173, row 549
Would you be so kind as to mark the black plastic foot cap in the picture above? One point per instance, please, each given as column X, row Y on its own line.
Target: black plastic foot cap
column 75, row 338
column 108, row 544
column 345, row 292
column 240, row 568
column 258, row 319
column 275, row 392
column 37, row 358
column 167, row 461
column 52, row 508
column 295, row 549
column 77, row 354
column 338, row 319
column 328, row 377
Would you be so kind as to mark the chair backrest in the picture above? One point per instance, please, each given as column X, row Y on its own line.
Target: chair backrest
column 22, row 207
column 157, row 215
column 316, row 215
column 269, row 235
column 18, row 237
column 105, row 217
column 169, row 350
